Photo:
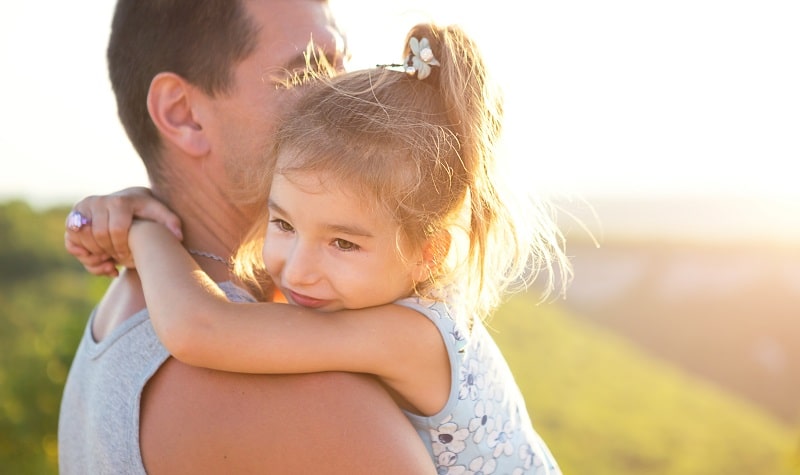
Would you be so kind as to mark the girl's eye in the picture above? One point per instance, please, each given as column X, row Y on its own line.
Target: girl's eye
column 344, row 245
column 282, row 225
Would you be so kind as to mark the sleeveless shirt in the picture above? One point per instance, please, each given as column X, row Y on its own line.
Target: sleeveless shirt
column 98, row 427
column 484, row 427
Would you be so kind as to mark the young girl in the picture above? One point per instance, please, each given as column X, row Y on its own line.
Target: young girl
column 389, row 232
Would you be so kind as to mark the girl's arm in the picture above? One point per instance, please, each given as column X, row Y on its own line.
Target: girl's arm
column 199, row 326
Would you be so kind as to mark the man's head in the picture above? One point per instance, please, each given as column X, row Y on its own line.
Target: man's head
column 200, row 41
column 201, row 78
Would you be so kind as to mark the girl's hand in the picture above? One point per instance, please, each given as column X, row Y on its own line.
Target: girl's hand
column 102, row 245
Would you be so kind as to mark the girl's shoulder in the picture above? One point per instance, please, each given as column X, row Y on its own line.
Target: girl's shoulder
column 448, row 318
column 433, row 309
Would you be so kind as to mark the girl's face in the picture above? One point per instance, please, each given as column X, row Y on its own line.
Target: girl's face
column 326, row 249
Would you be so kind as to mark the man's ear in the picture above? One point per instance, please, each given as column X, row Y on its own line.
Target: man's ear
column 170, row 102
column 434, row 253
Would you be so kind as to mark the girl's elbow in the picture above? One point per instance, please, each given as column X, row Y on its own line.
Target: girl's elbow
column 173, row 341
column 180, row 340
column 187, row 350
column 177, row 346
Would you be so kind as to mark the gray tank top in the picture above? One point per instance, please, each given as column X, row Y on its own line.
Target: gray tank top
column 98, row 427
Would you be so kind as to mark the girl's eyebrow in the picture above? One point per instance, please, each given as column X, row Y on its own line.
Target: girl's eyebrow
column 274, row 206
column 349, row 230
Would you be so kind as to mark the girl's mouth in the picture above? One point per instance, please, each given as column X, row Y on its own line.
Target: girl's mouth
column 304, row 300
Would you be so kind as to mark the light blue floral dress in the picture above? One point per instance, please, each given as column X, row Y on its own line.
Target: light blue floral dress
column 484, row 428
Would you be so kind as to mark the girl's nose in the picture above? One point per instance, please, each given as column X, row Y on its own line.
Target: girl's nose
column 301, row 266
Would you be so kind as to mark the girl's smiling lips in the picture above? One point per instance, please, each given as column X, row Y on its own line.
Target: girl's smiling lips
column 304, row 300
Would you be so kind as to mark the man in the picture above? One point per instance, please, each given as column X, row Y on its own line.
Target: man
column 198, row 88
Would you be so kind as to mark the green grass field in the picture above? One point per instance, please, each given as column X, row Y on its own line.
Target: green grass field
column 604, row 407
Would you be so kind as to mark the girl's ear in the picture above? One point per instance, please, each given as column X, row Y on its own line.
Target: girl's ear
column 171, row 102
column 434, row 253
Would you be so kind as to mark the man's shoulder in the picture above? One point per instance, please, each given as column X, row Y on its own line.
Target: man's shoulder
column 197, row 419
column 122, row 300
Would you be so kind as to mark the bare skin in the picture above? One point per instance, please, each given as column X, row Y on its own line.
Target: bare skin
column 202, row 421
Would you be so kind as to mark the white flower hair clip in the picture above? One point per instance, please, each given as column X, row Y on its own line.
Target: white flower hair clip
column 421, row 58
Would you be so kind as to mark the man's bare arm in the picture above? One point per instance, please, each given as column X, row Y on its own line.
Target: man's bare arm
column 195, row 420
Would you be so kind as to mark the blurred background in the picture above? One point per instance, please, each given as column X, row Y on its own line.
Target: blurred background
column 666, row 135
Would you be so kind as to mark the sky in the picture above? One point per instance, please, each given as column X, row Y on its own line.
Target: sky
column 619, row 98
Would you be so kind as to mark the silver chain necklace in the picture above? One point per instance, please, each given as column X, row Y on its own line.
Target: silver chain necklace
column 210, row 256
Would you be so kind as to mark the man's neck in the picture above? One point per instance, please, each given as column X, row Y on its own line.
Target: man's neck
column 212, row 226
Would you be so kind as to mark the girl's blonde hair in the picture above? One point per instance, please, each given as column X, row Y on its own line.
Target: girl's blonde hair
column 424, row 150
